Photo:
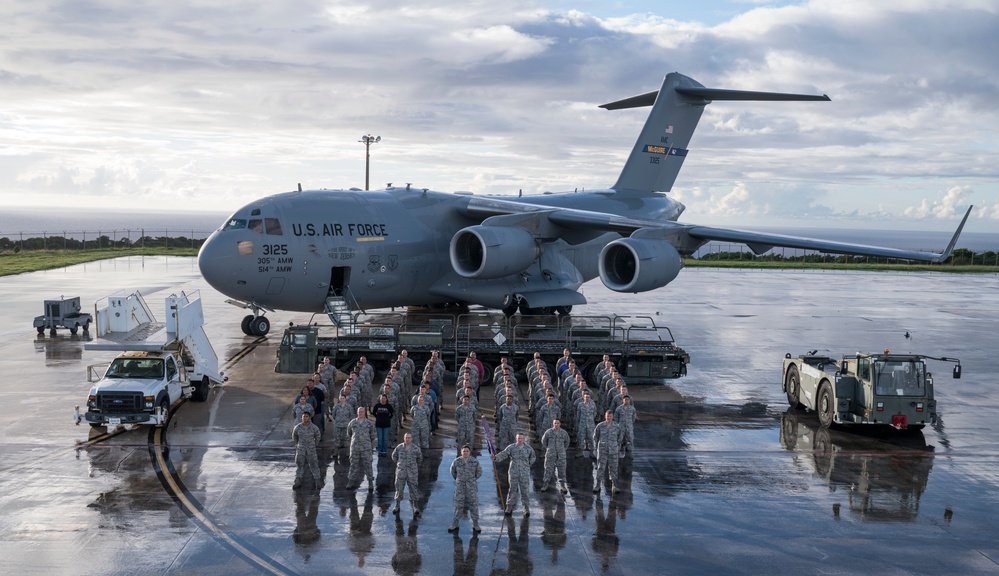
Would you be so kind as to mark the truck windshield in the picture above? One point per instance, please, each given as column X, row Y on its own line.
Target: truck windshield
column 900, row 378
column 135, row 368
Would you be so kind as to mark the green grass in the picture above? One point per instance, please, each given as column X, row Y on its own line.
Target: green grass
column 35, row 260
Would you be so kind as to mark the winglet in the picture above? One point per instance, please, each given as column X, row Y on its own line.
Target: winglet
column 950, row 247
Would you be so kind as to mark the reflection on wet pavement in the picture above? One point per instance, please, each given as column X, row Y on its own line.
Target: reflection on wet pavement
column 725, row 478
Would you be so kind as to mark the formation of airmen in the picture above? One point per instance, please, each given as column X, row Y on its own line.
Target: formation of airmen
column 562, row 408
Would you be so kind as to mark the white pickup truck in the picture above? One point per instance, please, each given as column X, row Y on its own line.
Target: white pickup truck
column 158, row 365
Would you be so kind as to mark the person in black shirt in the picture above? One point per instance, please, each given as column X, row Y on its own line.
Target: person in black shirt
column 383, row 412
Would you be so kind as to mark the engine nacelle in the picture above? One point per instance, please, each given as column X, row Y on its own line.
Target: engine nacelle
column 638, row 264
column 492, row 251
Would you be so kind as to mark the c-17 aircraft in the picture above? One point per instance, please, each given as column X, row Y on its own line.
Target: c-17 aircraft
column 346, row 250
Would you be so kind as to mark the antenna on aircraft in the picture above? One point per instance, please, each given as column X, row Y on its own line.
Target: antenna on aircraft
column 368, row 140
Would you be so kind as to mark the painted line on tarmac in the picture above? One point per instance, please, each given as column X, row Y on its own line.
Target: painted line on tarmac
column 176, row 489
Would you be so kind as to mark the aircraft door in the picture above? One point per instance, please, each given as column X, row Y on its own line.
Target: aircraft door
column 339, row 281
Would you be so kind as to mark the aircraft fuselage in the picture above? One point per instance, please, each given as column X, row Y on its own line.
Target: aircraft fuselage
column 386, row 248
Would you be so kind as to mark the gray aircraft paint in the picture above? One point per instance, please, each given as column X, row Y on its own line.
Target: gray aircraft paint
column 400, row 246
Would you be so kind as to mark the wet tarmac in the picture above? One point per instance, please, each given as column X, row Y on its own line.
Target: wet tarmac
column 725, row 478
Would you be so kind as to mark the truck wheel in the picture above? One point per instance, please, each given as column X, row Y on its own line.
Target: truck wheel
column 74, row 329
column 41, row 330
column 792, row 386
column 201, row 390
column 824, row 404
column 86, row 326
column 165, row 409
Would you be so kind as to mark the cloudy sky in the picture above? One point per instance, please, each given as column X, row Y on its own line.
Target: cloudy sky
column 208, row 105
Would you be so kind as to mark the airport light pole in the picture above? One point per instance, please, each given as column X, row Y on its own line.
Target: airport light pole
column 368, row 140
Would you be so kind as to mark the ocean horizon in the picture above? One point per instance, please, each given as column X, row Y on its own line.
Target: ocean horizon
column 30, row 222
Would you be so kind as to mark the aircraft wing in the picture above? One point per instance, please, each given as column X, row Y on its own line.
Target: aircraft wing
column 687, row 238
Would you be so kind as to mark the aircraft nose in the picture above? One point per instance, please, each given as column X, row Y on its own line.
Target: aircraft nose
column 212, row 260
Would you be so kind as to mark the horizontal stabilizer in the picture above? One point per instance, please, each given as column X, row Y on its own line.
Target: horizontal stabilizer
column 649, row 98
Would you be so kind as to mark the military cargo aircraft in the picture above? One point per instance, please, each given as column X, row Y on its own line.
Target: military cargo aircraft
column 340, row 251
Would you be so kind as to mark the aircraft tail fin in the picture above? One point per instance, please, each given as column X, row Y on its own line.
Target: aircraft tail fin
column 661, row 148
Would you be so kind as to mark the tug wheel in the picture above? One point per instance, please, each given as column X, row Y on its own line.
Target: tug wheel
column 824, row 404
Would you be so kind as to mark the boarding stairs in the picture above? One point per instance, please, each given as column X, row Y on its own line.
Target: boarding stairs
column 339, row 311
column 126, row 323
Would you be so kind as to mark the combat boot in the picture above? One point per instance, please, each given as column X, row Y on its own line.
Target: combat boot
column 614, row 488
column 475, row 529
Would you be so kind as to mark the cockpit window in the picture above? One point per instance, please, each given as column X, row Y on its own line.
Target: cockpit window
column 235, row 224
column 273, row 226
column 256, row 225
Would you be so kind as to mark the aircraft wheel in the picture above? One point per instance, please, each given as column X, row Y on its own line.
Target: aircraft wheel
column 246, row 324
column 824, row 404
column 563, row 310
column 260, row 326
column 792, row 386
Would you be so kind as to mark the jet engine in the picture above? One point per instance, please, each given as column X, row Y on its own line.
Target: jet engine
column 638, row 264
column 492, row 251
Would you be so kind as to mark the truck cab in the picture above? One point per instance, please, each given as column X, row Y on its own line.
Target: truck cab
column 136, row 388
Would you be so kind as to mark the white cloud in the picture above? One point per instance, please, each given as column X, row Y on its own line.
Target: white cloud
column 222, row 102
column 953, row 205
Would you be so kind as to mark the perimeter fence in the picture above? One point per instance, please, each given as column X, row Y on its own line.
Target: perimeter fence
column 102, row 239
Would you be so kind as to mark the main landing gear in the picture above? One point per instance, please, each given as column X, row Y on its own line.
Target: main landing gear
column 255, row 325
column 525, row 310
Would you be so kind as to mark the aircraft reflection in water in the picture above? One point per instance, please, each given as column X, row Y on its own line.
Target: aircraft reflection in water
column 883, row 477
column 340, row 251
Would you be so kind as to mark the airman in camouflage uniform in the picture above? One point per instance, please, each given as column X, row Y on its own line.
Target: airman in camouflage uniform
column 327, row 373
column 547, row 414
column 607, row 437
column 625, row 416
column 306, row 436
column 465, row 470
column 343, row 413
column 407, row 457
column 507, row 415
column 362, row 441
column 465, row 414
column 554, row 443
column 521, row 458
column 421, row 422
column 586, row 415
